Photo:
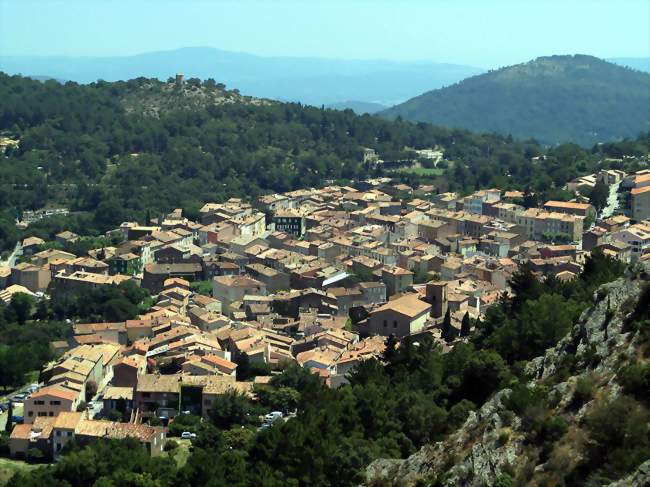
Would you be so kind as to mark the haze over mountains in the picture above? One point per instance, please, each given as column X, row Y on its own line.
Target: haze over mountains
column 553, row 99
column 312, row 81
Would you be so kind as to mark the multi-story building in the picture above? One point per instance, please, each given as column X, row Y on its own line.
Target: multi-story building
column 127, row 264
column 290, row 222
column 540, row 224
column 640, row 203
column 50, row 402
column 637, row 237
column 396, row 279
column 571, row 208
column 400, row 317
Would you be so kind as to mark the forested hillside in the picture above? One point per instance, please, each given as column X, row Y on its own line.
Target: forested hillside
column 555, row 99
column 111, row 151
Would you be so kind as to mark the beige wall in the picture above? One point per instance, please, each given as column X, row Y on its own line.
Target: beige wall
column 18, row 447
column 33, row 279
column 389, row 322
column 49, row 408
column 60, row 437
column 641, row 206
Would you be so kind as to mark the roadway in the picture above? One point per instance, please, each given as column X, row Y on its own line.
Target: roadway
column 18, row 406
column 612, row 202
column 11, row 260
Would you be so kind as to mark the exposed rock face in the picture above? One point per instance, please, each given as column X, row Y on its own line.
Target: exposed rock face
column 154, row 99
column 598, row 340
column 640, row 477
column 491, row 441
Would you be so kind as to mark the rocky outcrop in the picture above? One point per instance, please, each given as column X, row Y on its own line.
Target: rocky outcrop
column 640, row 477
column 474, row 455
column 598, row 340
column 491, row 441
column 154, row 99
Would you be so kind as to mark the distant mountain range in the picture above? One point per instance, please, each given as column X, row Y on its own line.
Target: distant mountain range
column 359, row 107
column 553, row 99
column 312, row 81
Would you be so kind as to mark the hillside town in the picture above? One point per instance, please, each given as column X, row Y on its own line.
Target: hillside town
column 316, row 277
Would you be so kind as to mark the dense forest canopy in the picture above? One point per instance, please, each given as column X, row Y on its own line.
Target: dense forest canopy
column 93, row 149
column 555, row 99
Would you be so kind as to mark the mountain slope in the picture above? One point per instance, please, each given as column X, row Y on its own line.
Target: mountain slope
column 553, row 99
column 565, row 426
column 313, row 81
column 638, row 63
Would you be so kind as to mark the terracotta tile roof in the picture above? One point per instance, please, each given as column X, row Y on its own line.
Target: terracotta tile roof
column 636, row 191
column 158, row 383
column 114, row 392
column 114, row 430
column 219, row 362
column 397, row 271
column 567, row 204
column 21, row 432
column 326, row 356
column 56, row 391
column 67, row 420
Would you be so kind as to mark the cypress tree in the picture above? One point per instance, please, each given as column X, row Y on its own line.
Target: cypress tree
column 448, row 332
column 465, row 326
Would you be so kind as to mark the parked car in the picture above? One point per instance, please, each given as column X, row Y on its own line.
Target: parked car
column 273, row 416
column 186, row 435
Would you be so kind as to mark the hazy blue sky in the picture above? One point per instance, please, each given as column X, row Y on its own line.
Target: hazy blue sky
column 486, row 33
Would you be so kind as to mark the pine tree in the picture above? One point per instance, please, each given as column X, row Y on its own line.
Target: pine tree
column 465, row 325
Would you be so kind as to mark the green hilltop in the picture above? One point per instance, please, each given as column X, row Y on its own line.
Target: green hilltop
column 554, row 99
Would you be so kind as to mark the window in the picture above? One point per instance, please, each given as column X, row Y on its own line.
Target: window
column 39, row 403
column 51, row 413
column 146, row 394
column 69, row 433
column 42, row 413
column 30, row 414
column 394, row 323
column 385, row 323
column 58, row 433
column 55, row 403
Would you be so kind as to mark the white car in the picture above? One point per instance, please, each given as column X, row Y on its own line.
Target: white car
column 273, row 416
column 186, row 435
